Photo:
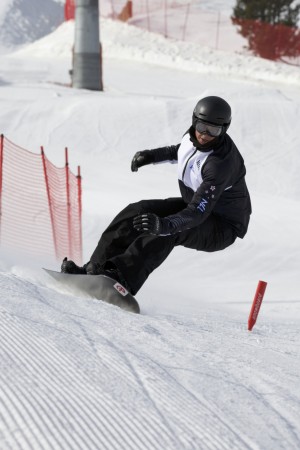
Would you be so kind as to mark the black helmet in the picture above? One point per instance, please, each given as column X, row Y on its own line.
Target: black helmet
column 213, row 110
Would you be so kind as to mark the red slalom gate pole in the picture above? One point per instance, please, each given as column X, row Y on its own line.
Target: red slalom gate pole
column 257, row 301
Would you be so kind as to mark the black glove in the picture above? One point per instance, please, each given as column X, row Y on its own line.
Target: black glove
column 152, row 224
column 141, row 159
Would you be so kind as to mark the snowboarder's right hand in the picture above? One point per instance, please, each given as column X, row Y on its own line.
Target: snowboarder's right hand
column 141, row 159
column 152, row 224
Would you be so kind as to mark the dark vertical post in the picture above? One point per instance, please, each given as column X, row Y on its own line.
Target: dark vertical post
column 187, row 12
column 148, row 15
column 166, row 20
column 113, row 9
column 87, row 62
column 218, row 30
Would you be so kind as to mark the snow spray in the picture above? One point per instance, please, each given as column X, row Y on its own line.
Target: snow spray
column 257, row 301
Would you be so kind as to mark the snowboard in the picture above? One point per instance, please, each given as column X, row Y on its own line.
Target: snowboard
column 99, row 287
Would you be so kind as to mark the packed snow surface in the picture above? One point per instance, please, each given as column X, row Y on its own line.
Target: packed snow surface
column 77, row 373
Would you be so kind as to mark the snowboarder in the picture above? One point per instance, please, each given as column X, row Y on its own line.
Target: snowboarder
column 213, row 210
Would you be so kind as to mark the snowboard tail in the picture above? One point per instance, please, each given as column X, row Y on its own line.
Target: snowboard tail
column 99, row 287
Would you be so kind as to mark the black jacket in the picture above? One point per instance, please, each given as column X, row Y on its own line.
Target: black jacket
column 211, row 180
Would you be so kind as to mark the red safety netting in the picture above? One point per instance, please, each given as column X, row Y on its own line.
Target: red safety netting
column 40, row 204
column 274, row 42
column 185, row 20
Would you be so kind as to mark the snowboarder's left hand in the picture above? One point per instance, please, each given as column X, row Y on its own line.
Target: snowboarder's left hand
column 152, row 224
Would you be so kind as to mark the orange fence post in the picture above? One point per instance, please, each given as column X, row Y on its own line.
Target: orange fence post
column 68, row 205
column 79, row 194
column 49, row 202
column 126, row 12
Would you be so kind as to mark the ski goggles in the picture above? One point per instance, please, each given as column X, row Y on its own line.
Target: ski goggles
column 211, row 130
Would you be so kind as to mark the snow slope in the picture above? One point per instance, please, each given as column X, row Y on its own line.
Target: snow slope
column 186, row 373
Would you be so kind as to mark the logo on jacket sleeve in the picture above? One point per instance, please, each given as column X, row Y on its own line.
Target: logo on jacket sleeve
column 202, row 205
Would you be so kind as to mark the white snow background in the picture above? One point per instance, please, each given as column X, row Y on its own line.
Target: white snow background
column 77, row 373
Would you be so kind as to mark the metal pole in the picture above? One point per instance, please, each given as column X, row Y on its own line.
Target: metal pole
column 218, row 30
column 148, row 15
column 187, row 11
column 113, row 9
column 87, row 64
column 166, row 20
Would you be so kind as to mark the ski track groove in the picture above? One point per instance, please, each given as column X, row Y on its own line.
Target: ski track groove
column 33, row 406
column 164, row 400
column 160, row 419
column 264, row 384
column 13, row 423
column 168, row 426
column 149, row 431
column 16, row 342
column 128, row 425
column 5, row 426
column 198, row 404
column 213, row 413
column 20, row 413
column 254, row 392
column 32, row 363
column 56, row 388
column 170, row 402
column 156, row 403
column 277, row 414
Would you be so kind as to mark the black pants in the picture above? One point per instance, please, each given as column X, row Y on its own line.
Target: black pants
column 137, row 254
